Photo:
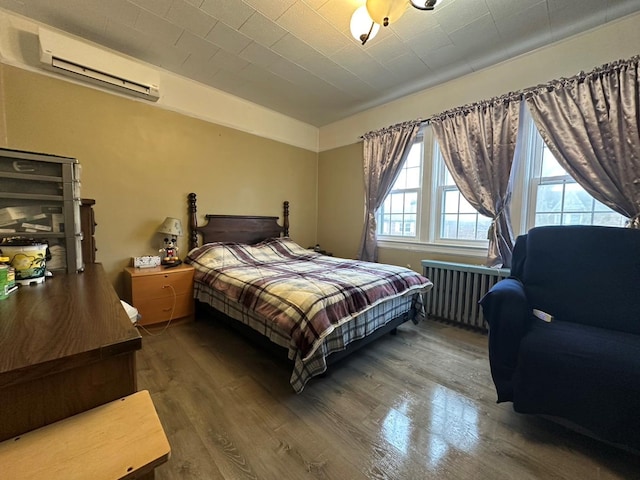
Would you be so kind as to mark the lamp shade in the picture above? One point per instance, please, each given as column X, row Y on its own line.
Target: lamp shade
column 171, row 226
column 384, row 12
column 361, row 24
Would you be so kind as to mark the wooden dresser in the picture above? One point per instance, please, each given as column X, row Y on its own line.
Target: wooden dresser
column 66, row 346
column 160, row 294
column 88, row 228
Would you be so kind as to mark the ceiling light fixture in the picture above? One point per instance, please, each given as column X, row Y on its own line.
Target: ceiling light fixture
column 424, row 5
column 366, row 20
column 362, row 27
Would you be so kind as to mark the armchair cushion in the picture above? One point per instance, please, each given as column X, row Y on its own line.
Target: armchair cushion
column 587, row 375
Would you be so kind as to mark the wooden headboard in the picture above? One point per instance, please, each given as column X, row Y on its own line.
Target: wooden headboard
column 235, row 228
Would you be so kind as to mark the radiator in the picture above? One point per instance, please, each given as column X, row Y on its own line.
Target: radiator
column 457, row 288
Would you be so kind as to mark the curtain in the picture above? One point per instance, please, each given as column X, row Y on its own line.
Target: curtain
column 478, row 145
column 591, row 124
column 384, row 152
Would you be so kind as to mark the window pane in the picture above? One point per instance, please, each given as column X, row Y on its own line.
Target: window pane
column 413, row 177
column 410, row 225
column 465, row 207
column 451, row 198
column 396, row 225
column 576, row 219
column 386, row 205
column 467, row 226
column 401, row 181
column 415, row 155
column 384, row 225
column 600, row 207
column 397, row 202
column 550, row 166
column 548, row 219
column 576, row 199
column 411, row 202
column 449, row 226
column 549, row 198
column 448, row 179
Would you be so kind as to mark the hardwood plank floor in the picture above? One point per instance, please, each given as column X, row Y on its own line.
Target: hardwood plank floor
column 418, row 405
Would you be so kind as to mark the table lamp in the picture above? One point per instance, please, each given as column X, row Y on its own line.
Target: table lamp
column 171, row 228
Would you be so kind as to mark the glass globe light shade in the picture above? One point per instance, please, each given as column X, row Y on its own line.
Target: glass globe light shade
column 361, row 24
column 384, row 12
column 424, row 4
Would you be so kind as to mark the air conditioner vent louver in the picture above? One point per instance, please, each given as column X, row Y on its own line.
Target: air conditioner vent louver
column 75, row 59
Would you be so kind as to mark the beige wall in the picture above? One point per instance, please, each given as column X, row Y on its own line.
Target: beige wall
column 341, row 200
column 139, row 162
column 340, row 180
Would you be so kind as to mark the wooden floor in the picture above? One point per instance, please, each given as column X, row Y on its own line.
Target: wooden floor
column 418, row 405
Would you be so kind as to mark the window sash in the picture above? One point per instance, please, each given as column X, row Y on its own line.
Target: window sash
column 395, row 222
column 444, row 185
column 398, row 224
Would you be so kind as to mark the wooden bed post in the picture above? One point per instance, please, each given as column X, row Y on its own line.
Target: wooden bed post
column 193, row 222
column 285, row 221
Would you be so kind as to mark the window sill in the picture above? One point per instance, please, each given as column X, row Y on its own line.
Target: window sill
column 457, row 250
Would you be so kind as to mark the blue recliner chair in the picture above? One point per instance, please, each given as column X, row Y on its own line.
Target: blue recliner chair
column 582, row 366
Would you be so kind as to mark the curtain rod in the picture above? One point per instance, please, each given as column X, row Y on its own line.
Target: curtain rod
column 518, row 94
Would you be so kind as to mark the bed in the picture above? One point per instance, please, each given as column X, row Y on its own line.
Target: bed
column 252, row 276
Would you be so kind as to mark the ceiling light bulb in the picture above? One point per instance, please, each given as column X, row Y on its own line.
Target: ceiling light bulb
column 385, row 12
column 362, row 27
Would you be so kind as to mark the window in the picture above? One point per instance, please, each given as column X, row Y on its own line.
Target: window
column 425, row 207
column 398, row 215
column 557, row 199
column 458, row 220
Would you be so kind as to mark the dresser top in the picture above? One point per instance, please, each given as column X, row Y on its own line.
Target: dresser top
column 66, row 321
column 160, row 270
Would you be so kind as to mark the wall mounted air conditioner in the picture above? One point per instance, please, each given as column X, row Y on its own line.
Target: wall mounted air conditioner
column 81, row 61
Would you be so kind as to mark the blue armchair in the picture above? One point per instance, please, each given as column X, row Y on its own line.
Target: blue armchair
column 582, row 366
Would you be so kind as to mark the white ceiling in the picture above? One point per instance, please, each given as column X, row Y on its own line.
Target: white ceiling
column 297, row 57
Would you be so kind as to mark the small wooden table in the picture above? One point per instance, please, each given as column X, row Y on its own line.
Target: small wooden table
column 66, row 346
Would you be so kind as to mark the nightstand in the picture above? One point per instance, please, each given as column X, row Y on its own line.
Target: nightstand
column 160, row 294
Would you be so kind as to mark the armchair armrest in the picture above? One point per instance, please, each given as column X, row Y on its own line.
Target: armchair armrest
column 506, row 309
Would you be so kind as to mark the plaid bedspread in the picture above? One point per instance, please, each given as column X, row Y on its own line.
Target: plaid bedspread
column 307, row 294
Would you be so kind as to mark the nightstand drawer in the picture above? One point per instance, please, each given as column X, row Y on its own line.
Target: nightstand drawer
column 160, row 309
column 161, row 285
